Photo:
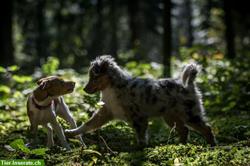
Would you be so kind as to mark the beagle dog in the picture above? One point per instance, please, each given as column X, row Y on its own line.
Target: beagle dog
column 45, row 103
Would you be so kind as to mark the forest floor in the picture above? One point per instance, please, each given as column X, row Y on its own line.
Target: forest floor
column 114, row 144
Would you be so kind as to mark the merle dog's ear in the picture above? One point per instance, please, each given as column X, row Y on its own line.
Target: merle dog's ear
column 104, row 66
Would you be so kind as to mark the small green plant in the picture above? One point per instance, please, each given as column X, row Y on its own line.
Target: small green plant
column 19, row 145
column 12, row 87
column 50, row 66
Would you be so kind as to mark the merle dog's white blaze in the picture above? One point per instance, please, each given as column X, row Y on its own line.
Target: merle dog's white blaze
column 135, row 100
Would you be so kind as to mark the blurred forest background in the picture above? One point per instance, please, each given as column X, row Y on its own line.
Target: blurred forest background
column 76, row 31
column 149, row 38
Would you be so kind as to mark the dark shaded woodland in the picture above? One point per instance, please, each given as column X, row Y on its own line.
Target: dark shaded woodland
column 149, row 38
column 77, row 31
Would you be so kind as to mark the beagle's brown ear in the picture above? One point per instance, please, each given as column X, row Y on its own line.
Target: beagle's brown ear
column 40, row 81
column 43, row 83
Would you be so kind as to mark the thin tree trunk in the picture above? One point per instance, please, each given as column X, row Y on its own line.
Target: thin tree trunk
column 167, row 46
column 207, row 8
column 80, row 58
column 100, row 26
column 97, row 44
column 6, row 41
column 114, row 28
column 59, row 48
column 206, row 24
column 41, row 43
column 229, row 34
column 190, row 36
column 133, row 7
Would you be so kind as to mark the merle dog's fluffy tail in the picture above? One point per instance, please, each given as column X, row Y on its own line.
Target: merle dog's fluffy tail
column 189, row 74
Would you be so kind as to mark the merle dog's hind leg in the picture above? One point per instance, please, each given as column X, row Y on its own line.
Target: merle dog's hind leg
column 180, row 127
column 141, row 125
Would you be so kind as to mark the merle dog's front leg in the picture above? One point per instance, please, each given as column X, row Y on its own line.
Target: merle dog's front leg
column 140, row 125
column 100, row 118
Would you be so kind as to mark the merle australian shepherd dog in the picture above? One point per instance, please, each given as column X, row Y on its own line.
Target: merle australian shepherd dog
column 135, row 100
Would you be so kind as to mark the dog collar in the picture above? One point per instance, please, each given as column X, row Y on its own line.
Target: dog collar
column 41, row 106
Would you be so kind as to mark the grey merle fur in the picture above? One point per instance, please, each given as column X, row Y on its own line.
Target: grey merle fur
column 135, row 100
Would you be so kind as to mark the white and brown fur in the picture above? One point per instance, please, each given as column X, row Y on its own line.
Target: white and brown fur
column 45, row 103
column 135, row 100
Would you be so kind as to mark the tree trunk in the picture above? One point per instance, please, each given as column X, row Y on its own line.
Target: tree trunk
column 167, row 46
column 97, row 44
column 113, row 17
column 133, row 7
column 6, row 41
column 41, row 40
column 207, row 13
column 100, row 26
column 206, row 23
column 229, row 34
column 59, row 38
column 190, row 37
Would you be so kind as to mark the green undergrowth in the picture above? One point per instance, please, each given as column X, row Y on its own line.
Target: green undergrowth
column 114, row 144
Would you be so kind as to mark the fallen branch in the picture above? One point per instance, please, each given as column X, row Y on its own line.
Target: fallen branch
column 172, row 130
column 105, row 143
